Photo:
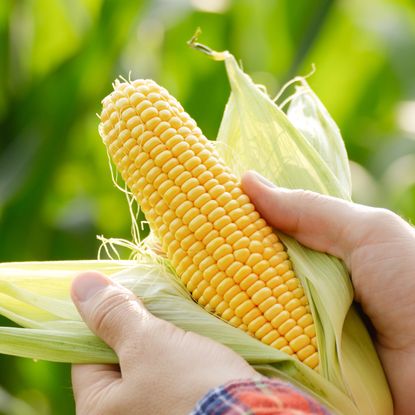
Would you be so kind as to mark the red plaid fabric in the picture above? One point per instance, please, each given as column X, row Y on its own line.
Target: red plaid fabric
column 259, row 397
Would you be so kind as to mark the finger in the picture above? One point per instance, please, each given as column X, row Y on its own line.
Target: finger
column 320, row 222
column 111, row 311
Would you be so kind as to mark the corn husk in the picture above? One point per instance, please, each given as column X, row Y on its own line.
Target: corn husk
column 254, row 134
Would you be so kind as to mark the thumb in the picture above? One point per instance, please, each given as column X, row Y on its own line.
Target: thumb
column 111, row 311
column 320, row 222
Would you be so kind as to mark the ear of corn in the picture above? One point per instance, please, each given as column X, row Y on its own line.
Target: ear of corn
column 224, row 252
column 254, row 134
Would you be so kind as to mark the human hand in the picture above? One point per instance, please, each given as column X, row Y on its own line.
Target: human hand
column 378, row 248
column 162, row 369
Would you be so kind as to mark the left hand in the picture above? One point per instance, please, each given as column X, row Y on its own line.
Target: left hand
column 162, row 369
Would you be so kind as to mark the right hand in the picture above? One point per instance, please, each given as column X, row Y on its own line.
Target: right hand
column 378, row 248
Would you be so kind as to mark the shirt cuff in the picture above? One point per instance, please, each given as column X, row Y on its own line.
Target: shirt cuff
column 258, row 397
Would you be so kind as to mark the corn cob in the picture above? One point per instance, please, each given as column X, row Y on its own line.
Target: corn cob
column 223, row 251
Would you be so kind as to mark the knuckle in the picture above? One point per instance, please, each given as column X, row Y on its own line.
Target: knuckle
column 110, row 309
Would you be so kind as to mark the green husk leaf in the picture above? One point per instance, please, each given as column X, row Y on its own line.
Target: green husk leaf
column 308, row 114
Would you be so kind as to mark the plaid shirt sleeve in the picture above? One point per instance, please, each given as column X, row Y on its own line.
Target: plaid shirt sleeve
column 258, row 397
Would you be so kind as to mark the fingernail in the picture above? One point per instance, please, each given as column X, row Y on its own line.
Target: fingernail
column 265, row 181
column 89, row 284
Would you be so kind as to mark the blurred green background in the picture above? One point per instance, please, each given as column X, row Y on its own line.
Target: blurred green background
column 58, row 59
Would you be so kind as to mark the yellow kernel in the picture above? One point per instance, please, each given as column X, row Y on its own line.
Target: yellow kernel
column 190, row 214
column 243, row 272
column 310, row 331
column 314, row 341
column 283, row 267
column 298, row 312
column 292, row 283
column 195, row 248
column 182, row 178
column 298, row 293
column 267, row 304
column 235, row 236
column 294, row 333
column 247, row 311
column 256, row 247
column 249, row 230
column 178, row 148
column 287, row 349
column 182, row 232
column 195, row 193
column 221, row 251
column 262, row 331
column 217, row 279
column 243, row 222
column 280, row 318
column 233, row 268
column 303, row 351
column 237, row 300
column 224, row 286
column 281, row 289
column 231, row 293
column 274, row 282
column 268, row 252
column 152, row 174
column 236, row 214
column 210, row 271
column 311, row 361
column 202, row 200
column 261, row 295
column 223, row 198
column 235, row 321
column 285, row 298
column 279, row 343
column 253, row 259
column 187, row 242
column 189, row 184
column 192, row 163
column 242, row 243
column 216, row 191
column 227, row 314
column 305, row 320
column 199, row 257
column 287, row 325
column 183, row 208
column 255, row 324
column 204, row 177
column 215, row 300
column 176, row 172
column 210, row 236
column 214, row 244
column 248, row 281
column 261, row 266
column 208, row 207
column 256, row 286
column 200, row 289
column 267, row 274
column 186, row 264
column 216, row 214
column 242, row 254
column 203, row 230
column 221, row 307
column 195, row 279
column 270, row 337
column 222, row 222
column 197, row 222
column 226, row 261
column 292, row 305
column 288, row 276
